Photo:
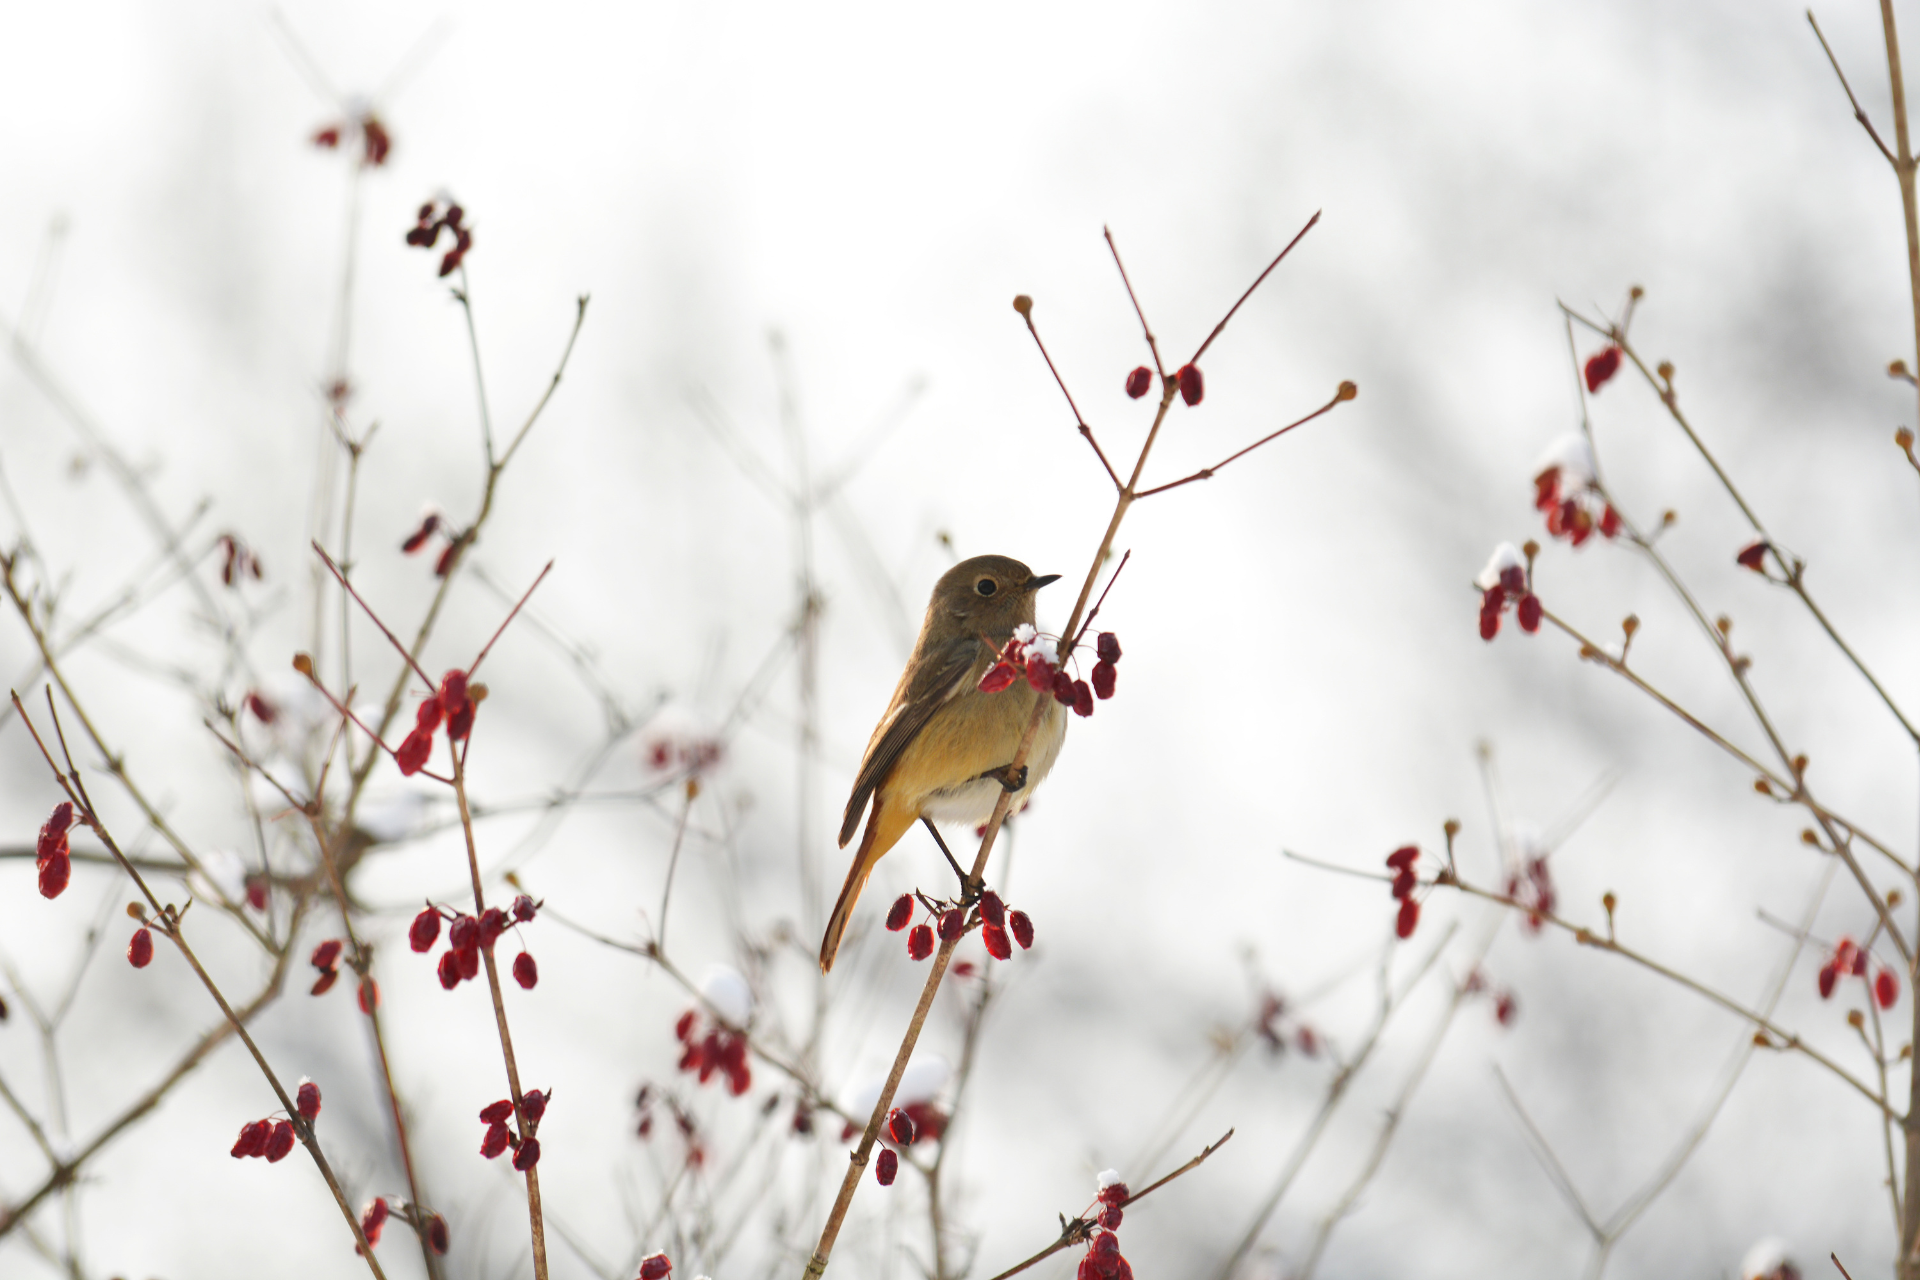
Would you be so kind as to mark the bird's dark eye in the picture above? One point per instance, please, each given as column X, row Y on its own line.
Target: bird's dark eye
column 986, row 586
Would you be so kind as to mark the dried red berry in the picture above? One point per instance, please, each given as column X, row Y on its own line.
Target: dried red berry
column 379, row 143
column 414, row 750
column 1039, row 674
column 1529, row 613
column 1192, row 385
column 992, row 909
column 56, row 825
column 418, row 538
column 140, row 950
column 495, row 1141
column 953, row 925
column 1601, row 367
column 1063, row 688
column 1403, row 882
column 324, row 983
column 1827, row 977
column 445, row 562
column 369, row 995
column 1115, row 1193
column 996, row 939
column 1886, row 988
column 327, row 138
column 1403, row 857
column 426, row 716
column 464, row 933
column 1490, row 606
column 1753, row 556
column 1110, row 1217
column 1409, row 917
column 55, row 871
column 373, row 1219
column 449, row 969
column 533, row 1104
column 1021, row 927
column 900, row 913
column 253, row 1139
column 1082, row 698
column 1107, row 646
column 525, row 971
column 524, row 908
column 1139, row 382
column 887, row 1167
column 469, row 962
column 920, row 942
column 437, row 1234
column 656, row 1266
column 1000, row 675
column 527, row 1156
column 1609, row 522
column 453, row 691
column 307, row 1100
column 280, row 1143
column 496, row 1112
column 425, row 930
column 493, row 923
column 684, row 1027
column 1103, row 675
column 257, row 890
column 327, row 954
column 900, row 1127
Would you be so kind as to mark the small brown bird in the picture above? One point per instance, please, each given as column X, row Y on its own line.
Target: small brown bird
column 942, row 750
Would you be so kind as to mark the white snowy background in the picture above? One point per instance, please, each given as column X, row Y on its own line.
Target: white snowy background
column 1302, row 669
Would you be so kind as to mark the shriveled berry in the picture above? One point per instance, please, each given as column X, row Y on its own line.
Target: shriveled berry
column 1192, row 386
column 533, row 1104
column 525, row 971
column 307, row 1100
column 1103, row 675
column 1886, row 988
column 425, row 930
column 900, row 1127
column 437, row 1235
column 496, row 1112
column 326, row 954
column 887, row 1167
column 1000, row 675
column 656, row 1266
column 527, row 1156
column 449, row 969
column 495, row 1141
column 253, row 1139
column 953, row 925
column 900, row 914
column 1021, row 927
column 1107, row 646
column 324, row 983
column 1139, row 382
column 413, row 752
column 1082, row 698
column 464, row 933
column 1529, row 612
column 524, row 908
column 992, row 909
column 1753, row 556
column 1114, row 1193
column 1601, row 367
column 1063, row 688
column 492, row 925
column 373, row 1219
column 1409, row 917
column 56, row 870
column 469, row 962
column 140, row 950
column 1110, row 1217
column 1039, row 674
column 453, row 691
column 920, row 942
column 280, row 1143
column 996, row 939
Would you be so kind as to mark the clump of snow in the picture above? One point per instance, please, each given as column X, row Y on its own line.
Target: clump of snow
column 923, row 1079
column 1505, row 556
column 728, row 993
column 1108, row 1177
column 1574, row 458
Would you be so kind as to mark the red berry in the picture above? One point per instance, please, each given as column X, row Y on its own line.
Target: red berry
column 655, row 1266
column 253, row 1139
column 54, row 829
column 492, row 925
column 326, row 954
column 683, row 1029
column 469, row 962
column 140, row 950
column 325, row 982
column 525, row 971
column 900, row 1127
column 900, row 913
column 426, row 716
column 496, row 1112
column 1039, row 674
column 307, row 1100
column 1609, row 522
column 1490, row 606
column 464, row 933
column 1082, row 698
column 1529, row 613
column 1505, row 1006
column 1409, row 916
column 418, row 538
column 1601, row 367
column 996, row 939
column 999, row 676
column 1115, row 1193
column 445, row 562
column 527, row 1156
column 1103, row 674
column 437, row 1234
column 280, row 1143
column 1513, row 580
column 920, row 942
column 460, row 723
column 533, row 1104
column 369, row 995
column 494, row 1142
column 1021, row 927
column 413, row 752
column 257, row 889
column 1110, row 1217
column 992, row 910
column 425, row 930
column 1886, row 988
column 524, row 908
column 263, row 711
column 1192, row 385
column 1753, row 556
column 1107, row 646
column 1139, row 381
column 453, row 691
column 886, row 1167
column 1403, row 882
column 1063, row 688
column 953, row 925
column 372, row 1219
column 1403, row 857
column 55, row 870
column 449, row 969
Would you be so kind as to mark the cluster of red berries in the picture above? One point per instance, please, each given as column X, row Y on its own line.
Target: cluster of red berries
column 373, row 1221
column 1269, row 1025
column 238, row 561
column 1192, row 386
column 326, row 958
column 431, row 523
column 690, row 755
column 526, row 1147
column 1850, row 959
column 655, row 1266
column 1401, row 860
column 273, row 1139
column 1103, row 1260
column 51, row 856
column 915, row 1122
column 1034, row 656
column 1506, row 1006
column 433, row 217
column 455, row 703
column 1508, row 582
column 467, row 935
column 717, row 1050
column 1571, row 516
column 1532, row 887
column 374, row 138
column 999, row 927
column 684, row 1121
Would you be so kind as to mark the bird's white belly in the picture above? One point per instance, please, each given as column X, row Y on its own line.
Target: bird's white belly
column 972, row 802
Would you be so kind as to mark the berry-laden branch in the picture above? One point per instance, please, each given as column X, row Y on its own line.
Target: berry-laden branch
column 167, row 919
column 1187, row 385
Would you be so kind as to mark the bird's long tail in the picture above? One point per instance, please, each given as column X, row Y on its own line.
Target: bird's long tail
column 884, row 829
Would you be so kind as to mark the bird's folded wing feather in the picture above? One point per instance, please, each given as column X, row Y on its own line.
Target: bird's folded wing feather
column 924, row 689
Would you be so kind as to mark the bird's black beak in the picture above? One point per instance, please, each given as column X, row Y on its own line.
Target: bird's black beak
column 1034, row 584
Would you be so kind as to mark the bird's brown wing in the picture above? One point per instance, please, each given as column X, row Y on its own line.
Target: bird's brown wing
column 924, row 689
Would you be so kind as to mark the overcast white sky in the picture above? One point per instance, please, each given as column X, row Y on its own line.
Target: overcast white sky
column 1302, row 669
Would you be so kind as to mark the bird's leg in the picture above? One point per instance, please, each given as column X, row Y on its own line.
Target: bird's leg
column 966, row 889
column 1009, row 778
